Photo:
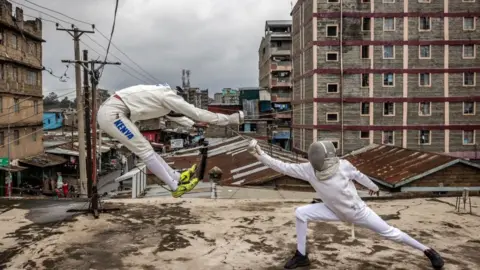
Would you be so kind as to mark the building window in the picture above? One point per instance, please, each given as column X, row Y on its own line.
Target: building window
column 424, row 24
column 332, row 30
column 16, row 136
column 365, row 79
column 31, row 77
column 424, row 51
column 365, row 51
column 424, row 136
column 2, row 139
column 366, row 24
column 469, row 79
column 16, row 105
column 332, row 117
column 14, row 42
column 388, row 137
column 2, row 70
column 388, row 52
column 246, row 127
column 333, row 1
column 468, row 137
column 15, row 74
column 364, row 135
column 1, row 104
column 424, row 79
column 389, row 1
column 364, row 108
column 332, row 57
column 388, row 109
column 365, row 1
column 388, row 79
column 2, row 34
column 424, row 1
column 388, row 24
column 469, row 51
column 425, row 108
column 468, row 23
column 34, row 134
column 332, row 88
column 469, row 108
column 35, row 106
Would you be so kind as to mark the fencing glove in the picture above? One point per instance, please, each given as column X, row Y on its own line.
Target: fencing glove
column 236, row 118
column 254, row 149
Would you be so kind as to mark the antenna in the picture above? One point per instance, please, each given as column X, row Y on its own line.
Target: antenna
column 188, row 78
column 183, row 78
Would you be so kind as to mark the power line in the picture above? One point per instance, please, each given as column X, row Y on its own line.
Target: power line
column 100, row 45
column 26, row 107
column 97, row 30
column 111, row 33
column 100, row 54
column 57, row 12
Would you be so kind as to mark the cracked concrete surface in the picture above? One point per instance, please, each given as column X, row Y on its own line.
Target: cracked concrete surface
column 160, row 233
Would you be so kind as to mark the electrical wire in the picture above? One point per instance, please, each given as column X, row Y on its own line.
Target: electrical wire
column 27, row 107
column 96, row 29
column 125, row 64
column 113, row 30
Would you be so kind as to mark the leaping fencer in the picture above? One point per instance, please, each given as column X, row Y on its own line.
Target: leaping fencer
column 331, row 178
column 140, row 102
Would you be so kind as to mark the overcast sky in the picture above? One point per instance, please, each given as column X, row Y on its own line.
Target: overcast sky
column 217, row 40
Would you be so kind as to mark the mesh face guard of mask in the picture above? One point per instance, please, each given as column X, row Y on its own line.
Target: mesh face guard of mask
column 319, row 153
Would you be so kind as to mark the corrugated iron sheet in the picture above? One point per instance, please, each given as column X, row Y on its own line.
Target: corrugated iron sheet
column 239, row 167
column 394, row 164
column 43, row 160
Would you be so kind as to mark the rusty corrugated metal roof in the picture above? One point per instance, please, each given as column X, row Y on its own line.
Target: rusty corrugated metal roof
column 239, row 167
column 393, row 164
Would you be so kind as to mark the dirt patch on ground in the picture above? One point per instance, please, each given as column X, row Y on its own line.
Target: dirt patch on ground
column 229, row 234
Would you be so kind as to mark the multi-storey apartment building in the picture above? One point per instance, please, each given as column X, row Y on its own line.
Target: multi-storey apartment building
column 275, row 68
column 395, row 72
column 21, row 107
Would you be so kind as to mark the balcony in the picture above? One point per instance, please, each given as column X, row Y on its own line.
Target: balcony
column 282, row 115
column 281, row 66
column 281, row 82
column 280, row 51
column 281, row 97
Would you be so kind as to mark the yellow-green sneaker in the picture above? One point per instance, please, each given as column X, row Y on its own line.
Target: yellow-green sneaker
column 184, row 188
column 186, row 175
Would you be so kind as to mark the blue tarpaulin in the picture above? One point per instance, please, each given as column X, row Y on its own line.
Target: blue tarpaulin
column 284, row 135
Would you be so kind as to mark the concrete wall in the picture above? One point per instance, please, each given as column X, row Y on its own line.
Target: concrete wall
column 404, row 57
column 20, row 82
column 28, row 143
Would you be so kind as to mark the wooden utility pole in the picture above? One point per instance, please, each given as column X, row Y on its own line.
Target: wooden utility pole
column 91, row 151
column 94, row 77
column 76, row 33
column 87, row 125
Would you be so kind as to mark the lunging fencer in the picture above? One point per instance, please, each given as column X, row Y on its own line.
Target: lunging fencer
column 331, row 178
column 117, row 115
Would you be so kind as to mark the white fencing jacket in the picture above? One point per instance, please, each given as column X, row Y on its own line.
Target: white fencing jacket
column 154, row 101
column 338, row 193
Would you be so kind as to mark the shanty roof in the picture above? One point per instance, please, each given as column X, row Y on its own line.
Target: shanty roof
column 43, row 160
column 395, row 166
column 239, row 167
column 49, row 144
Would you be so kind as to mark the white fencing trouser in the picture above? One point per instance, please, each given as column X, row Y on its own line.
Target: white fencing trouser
column 320, row 212
column 112, row 118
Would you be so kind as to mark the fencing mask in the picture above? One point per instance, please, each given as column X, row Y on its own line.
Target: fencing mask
column 322, row 156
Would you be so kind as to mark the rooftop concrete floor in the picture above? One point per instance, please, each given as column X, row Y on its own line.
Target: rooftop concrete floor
column 195, row 233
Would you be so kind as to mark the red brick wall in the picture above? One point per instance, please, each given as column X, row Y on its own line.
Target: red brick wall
column 456, row 175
